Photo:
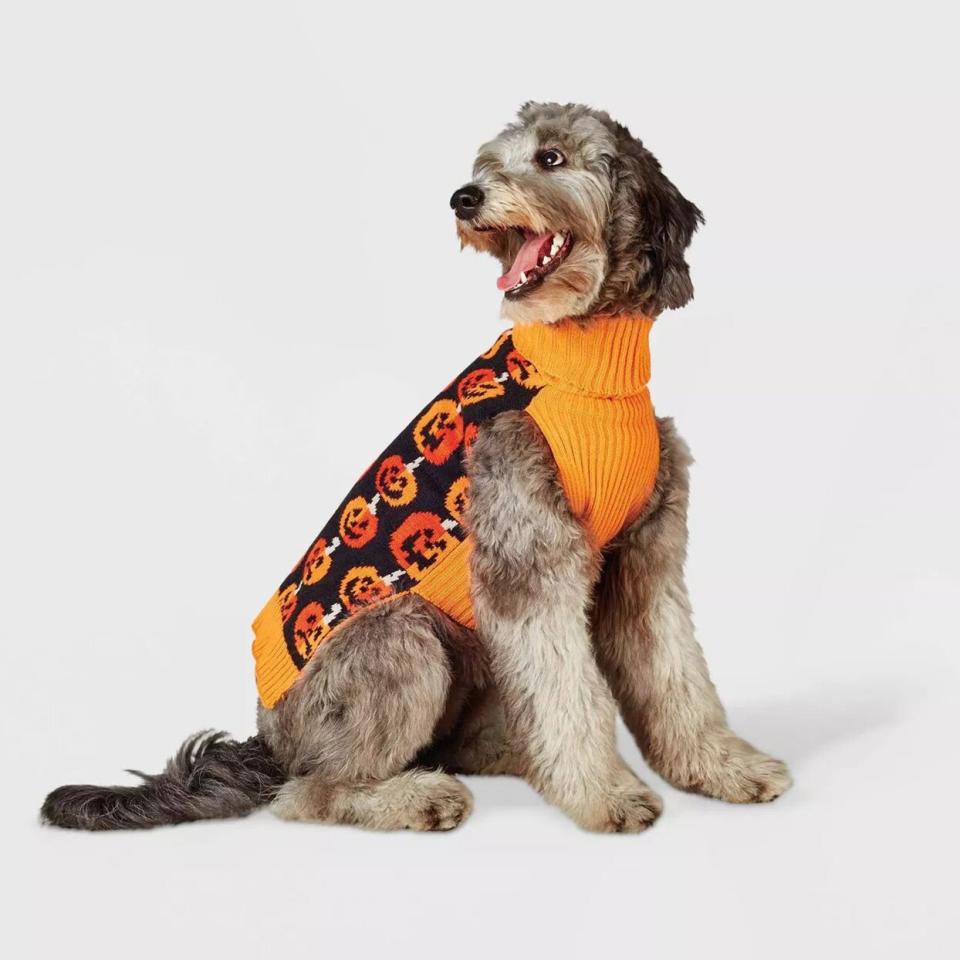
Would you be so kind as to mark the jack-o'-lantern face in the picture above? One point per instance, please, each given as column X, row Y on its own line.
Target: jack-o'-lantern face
column 479, row 385
column 523, row 371
column 494, row 350
column 396, row 482
column 419, row 542
column 309, row 629
column 317, row 563
column 470, row 436
column 288, row 602
column 457, row 498
column 439, row 432
column 358, row 523
column 363, row 586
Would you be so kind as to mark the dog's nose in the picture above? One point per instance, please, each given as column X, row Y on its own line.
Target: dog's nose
column 466, row 201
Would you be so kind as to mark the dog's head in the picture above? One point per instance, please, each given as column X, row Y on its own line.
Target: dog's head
column 580, row 215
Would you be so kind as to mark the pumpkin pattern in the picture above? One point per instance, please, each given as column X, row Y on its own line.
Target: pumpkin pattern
column 457, row 498
column 358, row 523
column 317, row 562
column 469, row 436
column 439, row 432
column 395, row 481
column 309, row 629
column 419, row 542
column 524, row 372
column 406, row 513
column 288, row 601
column 361, row 587
column 479, row 385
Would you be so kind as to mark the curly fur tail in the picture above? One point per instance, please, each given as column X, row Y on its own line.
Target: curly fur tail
column 209, row 777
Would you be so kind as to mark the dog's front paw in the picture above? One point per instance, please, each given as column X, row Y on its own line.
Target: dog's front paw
column 627, row 808
column 441, row 807
column 730, row 769
column 750, row 777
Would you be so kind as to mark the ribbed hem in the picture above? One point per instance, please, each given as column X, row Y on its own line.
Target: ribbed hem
column 275, row 671
column 604, row 357
column 447, row 585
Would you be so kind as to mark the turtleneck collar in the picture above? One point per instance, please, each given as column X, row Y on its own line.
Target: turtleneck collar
column 603, row 356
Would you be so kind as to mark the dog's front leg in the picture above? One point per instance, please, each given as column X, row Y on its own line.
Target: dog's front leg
column 646, row 646
column 532, row 576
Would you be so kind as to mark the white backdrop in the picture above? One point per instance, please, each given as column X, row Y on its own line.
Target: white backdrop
column 228, row 276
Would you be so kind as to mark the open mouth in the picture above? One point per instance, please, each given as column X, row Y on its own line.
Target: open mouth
column 539, row 256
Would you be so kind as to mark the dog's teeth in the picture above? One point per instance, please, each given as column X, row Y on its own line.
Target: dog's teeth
column 546, row 259
column 558, row 238
column 523, row 278
column 554, row 249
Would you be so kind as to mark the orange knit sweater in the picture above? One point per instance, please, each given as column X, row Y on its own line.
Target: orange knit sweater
column 586, row 388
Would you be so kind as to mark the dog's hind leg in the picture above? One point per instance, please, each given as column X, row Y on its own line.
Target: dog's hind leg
column 480, row 743
column 532, row 576
column 413, row 800
column 368, row 702
column 646, row 647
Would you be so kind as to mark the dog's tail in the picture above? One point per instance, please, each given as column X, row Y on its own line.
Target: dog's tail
column 209, row 777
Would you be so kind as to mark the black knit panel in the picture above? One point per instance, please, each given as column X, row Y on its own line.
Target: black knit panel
column 406, row 512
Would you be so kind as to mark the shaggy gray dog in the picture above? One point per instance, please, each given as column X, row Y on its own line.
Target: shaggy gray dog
column 403, row 698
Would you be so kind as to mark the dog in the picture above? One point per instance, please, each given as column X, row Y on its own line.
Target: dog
column 526, row 605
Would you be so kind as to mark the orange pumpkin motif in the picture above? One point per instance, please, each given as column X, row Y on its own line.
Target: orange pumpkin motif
column 395, row 482
column 457, row 498
column 288, row 602
column 317, row 563
column 439, row 432
column 523, row 371
column 358, row 523
column 419, row 542
column 479, row 385
column 362, row 586
column 309, row 629
column 470, row 436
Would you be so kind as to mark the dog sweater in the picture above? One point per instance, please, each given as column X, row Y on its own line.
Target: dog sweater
column 402, row 526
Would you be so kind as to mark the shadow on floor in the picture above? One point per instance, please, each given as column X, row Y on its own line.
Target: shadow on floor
column 795, row 728
column 802, row 726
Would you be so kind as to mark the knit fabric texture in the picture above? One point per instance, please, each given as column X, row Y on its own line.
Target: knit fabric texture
column 402, row 526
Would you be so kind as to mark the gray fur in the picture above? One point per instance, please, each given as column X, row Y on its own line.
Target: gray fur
column 401, row 687
column 645, row 643
column 368, row 702
column 532, row 577
column 480, row 743
column 630, row 223
column 414, row 799
column 209, row 777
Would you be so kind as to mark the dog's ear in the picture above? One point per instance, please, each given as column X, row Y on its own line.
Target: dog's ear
column 649, row 230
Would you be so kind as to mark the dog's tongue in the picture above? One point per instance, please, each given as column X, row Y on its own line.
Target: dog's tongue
column 525, row 260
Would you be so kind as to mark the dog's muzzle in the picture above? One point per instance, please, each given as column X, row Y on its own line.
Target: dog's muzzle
column 466, row 202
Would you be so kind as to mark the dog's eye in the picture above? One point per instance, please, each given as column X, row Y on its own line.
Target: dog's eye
column 551, row 158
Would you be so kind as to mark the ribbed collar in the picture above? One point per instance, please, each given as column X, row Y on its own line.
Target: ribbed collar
column 603, row 356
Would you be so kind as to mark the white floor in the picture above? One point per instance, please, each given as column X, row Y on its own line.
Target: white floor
column 856, row 861
column 203, row 345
